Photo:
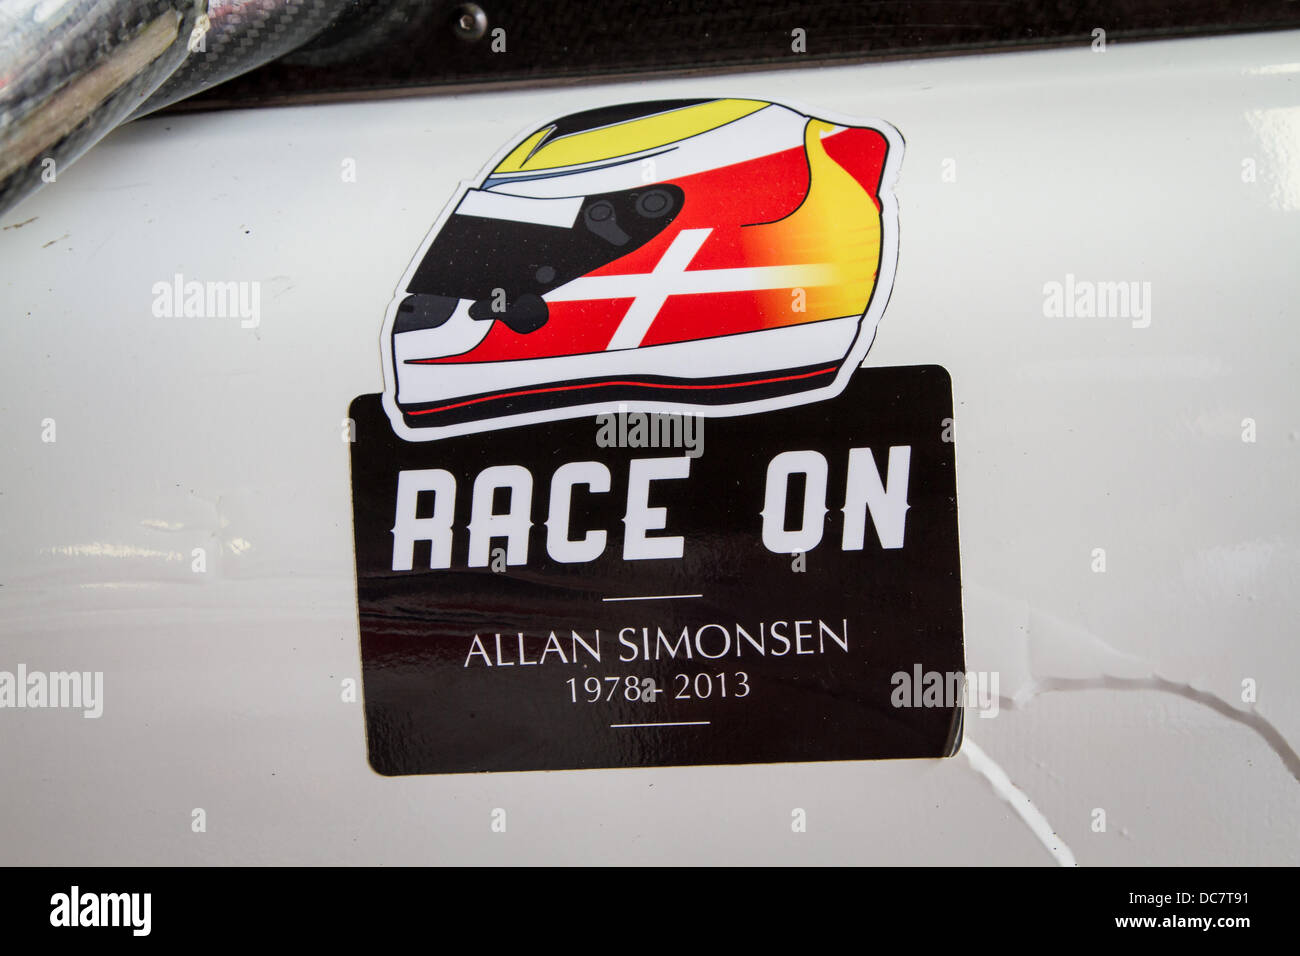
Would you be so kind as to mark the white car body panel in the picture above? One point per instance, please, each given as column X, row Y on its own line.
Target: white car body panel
column 1174, row 163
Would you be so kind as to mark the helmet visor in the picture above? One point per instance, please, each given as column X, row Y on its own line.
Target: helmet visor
column 496, row 243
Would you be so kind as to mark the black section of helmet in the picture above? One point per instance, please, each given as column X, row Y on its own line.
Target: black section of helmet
column 505, row 266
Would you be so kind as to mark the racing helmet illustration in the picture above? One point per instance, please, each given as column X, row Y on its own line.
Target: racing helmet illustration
column 711, row 257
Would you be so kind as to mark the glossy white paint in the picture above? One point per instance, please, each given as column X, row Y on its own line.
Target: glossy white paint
column 1121, row 690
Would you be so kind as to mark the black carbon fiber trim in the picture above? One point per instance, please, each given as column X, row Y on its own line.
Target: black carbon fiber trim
column 70, row 73
column 242, row 35
column 394, row 45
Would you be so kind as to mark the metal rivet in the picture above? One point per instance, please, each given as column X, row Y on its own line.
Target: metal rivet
column 470, row 22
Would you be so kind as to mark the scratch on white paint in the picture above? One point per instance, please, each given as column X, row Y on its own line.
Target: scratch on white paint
column 985, row 766
column 159, row 525
column 120, row 585
column 1065, row 656
column 1277, row 131
column 1248, row 718
column 105, row 549
column 1272, row 69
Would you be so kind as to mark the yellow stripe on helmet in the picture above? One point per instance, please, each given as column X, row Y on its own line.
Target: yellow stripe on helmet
column 624, row 139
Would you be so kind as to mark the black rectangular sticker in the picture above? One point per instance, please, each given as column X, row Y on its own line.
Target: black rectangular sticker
column 749, row 592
